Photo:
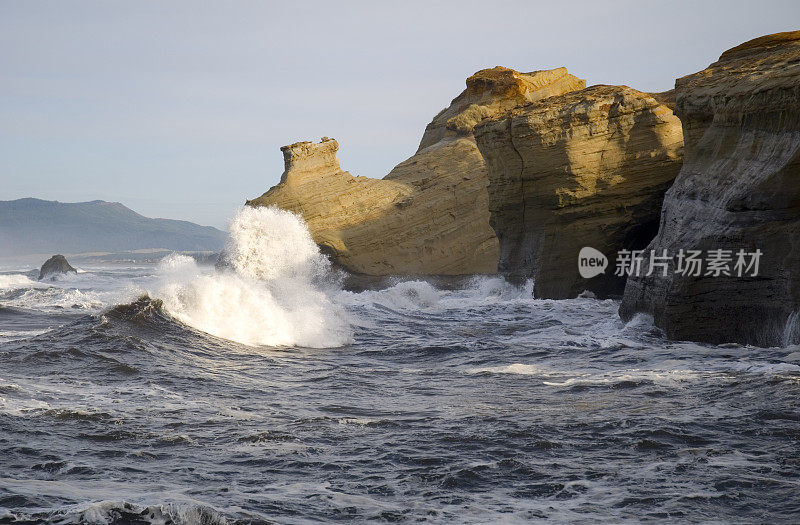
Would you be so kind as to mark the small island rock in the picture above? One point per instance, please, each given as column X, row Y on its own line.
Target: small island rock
column 55, row 265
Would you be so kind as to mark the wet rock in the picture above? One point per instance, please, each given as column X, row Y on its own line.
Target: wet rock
column 739, row 189
column 54, row 266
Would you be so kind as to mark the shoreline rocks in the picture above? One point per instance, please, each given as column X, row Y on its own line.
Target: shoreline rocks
column 739, row 189
column 585, row 168
column 55, row 266
column 430, row 214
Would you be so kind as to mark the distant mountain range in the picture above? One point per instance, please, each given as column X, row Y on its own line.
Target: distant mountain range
column 35, row 226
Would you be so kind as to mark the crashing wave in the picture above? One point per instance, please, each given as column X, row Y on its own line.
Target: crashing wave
column 275, row 291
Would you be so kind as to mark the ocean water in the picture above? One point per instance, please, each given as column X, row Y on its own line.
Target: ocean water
column 267, row 393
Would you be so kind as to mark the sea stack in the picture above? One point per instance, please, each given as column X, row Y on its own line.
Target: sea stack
column 588, row 168
column 739, row 189
column 430, row 214
column 54, row 266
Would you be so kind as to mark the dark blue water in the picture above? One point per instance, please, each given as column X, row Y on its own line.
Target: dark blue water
column 473, row 405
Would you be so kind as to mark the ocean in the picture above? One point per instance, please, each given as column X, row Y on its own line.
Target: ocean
column 266, row 392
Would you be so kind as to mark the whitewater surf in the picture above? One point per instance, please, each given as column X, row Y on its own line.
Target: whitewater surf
column 275, row 291
column 264, row 392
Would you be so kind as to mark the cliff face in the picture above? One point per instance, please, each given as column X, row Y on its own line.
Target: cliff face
column 491, row 92
column 427, row 224
column 586, row 168
column 331, row 201
column 429, row 215
column 739, row 189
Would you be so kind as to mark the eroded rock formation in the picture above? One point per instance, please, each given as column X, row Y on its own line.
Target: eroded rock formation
column 586, row 168
column 739, row 189
column 429, row 215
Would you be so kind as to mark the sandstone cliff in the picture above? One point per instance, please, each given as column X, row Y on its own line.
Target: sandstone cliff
column 429, row 215
column 739, row 189
column 587, row 168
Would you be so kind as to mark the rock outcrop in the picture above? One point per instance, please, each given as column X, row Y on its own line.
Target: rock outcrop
column 429, row 215
column 55, row 266
column 491, row 92
column 739, row 189
column 586, row 168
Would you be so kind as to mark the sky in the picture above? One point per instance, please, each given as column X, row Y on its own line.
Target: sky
column 179, row 109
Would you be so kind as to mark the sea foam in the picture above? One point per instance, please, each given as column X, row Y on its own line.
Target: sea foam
column 276, row 291
column 16, row 280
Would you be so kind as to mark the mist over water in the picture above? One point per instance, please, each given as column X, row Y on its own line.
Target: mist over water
column 265, row 393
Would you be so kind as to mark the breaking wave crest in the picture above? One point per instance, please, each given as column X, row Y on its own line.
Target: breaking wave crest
column 275, row 291
column 124, row 512
column 15, row 280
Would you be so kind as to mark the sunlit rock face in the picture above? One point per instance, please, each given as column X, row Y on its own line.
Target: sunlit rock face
column 739, row 188
column 430, row 214
column 586, row 168
column 491, row 92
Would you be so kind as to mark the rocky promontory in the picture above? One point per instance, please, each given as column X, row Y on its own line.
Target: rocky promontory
column 738, row 192
column 430, row 214
column 585, row 168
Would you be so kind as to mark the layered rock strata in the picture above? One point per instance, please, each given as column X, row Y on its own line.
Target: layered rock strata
column 586, row 168
column 739, row 189
column 430, row 214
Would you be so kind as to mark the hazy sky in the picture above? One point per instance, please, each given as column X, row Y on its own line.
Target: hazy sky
column 178, row 109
